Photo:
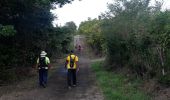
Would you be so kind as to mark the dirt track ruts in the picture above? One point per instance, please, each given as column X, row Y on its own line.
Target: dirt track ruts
column 57, row 86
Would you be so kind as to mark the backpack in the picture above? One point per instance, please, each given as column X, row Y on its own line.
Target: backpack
column 72, row 61
column 42, row 62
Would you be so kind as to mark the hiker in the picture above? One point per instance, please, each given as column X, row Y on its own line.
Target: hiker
column 72, row 68
column 79, row 48
column 43, row 64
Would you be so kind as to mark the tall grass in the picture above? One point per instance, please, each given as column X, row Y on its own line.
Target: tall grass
column 116, row 87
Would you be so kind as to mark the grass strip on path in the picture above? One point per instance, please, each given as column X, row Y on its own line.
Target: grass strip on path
column 116, row 87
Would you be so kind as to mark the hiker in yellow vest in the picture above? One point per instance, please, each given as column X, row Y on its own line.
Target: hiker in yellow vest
column 72, row 67
column 43, row 64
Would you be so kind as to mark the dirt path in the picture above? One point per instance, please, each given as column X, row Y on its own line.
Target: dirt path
column 57, row 88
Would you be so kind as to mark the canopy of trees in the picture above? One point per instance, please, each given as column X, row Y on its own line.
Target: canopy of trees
column 26, row 29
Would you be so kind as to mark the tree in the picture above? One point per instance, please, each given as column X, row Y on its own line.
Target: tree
column 26, row 26
column 92, row 30
column 7, row 30
column 137, row 36
column 72, row 26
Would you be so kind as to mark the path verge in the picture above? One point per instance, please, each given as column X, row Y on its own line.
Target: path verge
column 115, row 86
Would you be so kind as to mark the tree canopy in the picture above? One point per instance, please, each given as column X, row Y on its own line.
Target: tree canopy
column 26, row 29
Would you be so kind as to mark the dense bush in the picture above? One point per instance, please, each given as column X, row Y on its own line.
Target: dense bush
column 92, row 30
column 26, row 29
column 136, row 35
column 139, row 37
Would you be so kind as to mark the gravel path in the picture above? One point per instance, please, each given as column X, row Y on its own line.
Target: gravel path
column 57, row 88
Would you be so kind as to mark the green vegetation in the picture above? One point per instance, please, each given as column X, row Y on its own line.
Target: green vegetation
column 92, row 30
column 26, row 29
column 135, row 35
column 116, row 86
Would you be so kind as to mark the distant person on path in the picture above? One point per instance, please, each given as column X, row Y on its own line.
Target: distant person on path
column 79, row 48
column 72, row 67
column 43, row 64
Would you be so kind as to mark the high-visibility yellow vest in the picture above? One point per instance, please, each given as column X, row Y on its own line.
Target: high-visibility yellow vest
column 68, row 59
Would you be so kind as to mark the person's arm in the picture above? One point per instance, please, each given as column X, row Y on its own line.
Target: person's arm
column 48, row 63
column 66, row 64
column 49, row 66
column 67, row 60
column 77, row 64
column 36, row 66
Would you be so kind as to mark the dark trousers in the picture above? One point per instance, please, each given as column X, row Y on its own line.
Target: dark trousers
column 71, row 77
column 43, row 74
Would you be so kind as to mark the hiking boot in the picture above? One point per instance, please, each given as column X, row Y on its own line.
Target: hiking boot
column 44, row 85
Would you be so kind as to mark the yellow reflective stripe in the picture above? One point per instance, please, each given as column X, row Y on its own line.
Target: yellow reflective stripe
column 47, row 60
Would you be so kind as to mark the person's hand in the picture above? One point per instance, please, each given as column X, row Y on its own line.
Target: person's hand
column 65, row 66
column 49, row 66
